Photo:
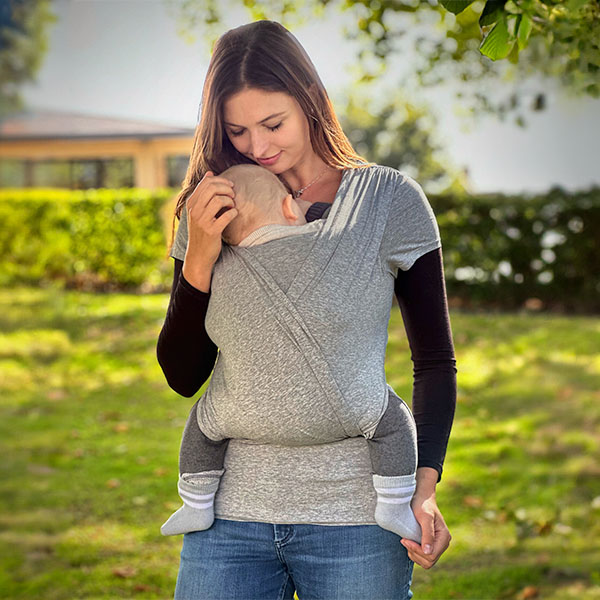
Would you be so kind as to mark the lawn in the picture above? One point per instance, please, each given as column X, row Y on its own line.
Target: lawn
column 90, row 434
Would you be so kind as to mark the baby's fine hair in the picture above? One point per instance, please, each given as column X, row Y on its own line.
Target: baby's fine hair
column 258, row 194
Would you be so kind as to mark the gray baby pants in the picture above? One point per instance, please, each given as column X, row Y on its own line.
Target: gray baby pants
column 392, row 448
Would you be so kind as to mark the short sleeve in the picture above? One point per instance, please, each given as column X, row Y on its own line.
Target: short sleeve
column 411, row 229
column 181, row 237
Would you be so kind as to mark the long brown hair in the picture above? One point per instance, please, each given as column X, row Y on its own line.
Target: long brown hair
column 263, row 55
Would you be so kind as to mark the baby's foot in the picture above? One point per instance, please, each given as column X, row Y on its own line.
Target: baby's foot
column 197, row 490
column 393, row 511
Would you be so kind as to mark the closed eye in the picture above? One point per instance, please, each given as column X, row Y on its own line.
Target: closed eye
column 241, row 131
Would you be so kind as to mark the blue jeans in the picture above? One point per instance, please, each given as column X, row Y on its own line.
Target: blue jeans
column 259, row 561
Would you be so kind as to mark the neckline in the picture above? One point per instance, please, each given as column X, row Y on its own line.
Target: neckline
column 278, row 231
column 300, row 229
column 337, row 196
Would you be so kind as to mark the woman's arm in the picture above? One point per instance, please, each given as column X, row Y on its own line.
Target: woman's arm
column 421, row 294
column 185, row 352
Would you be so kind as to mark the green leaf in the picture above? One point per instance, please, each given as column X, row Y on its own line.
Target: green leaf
column 491, row 12
column 575, row 5
column 512, row 24
column 524, row 30
column 456, row 6
column 497, row 44
column 513, row 55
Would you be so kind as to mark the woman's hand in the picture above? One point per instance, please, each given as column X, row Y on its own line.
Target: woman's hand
column 435, row 535
column 210, row 208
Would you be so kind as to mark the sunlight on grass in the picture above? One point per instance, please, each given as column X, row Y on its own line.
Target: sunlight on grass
column 40, row 344
column 90, row 434
column 81, row 544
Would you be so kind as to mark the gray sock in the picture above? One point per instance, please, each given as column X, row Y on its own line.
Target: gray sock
column 393, row 511
column 197, row 490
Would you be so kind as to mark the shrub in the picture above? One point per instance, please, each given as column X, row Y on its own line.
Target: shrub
column 97, row 238
column 503, row 251
column 509, row 250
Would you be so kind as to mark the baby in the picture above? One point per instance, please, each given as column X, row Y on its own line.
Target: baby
column 267, row 212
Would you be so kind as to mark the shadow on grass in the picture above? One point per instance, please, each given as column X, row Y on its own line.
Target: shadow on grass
column 90, row 433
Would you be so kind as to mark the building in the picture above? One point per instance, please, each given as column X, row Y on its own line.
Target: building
column 44, row 148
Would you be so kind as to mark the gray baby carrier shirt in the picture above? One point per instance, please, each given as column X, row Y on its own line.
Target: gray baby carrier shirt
column 301, row 326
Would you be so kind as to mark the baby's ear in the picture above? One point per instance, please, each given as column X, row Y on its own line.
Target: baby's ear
column 289, row 207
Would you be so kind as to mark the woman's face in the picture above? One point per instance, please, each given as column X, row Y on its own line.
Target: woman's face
column 270, row 128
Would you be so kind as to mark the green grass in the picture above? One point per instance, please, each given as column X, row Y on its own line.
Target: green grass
column 90, row 435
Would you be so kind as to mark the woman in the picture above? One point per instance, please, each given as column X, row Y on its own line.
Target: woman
column 314, row 532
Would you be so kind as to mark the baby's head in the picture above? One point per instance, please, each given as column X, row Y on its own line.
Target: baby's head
column 261, row 199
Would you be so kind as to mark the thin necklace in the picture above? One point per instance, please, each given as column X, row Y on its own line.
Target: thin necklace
column 298, row 193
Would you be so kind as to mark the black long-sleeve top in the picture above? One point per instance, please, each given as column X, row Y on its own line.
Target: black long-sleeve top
column 187, row 355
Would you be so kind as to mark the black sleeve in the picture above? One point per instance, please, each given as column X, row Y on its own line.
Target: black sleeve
column 317, row 210
column 185, row 352
column 421, row 294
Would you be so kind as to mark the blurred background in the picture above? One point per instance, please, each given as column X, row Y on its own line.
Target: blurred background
column 493, row 107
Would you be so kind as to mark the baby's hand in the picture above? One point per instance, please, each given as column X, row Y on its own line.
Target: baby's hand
column 304, row 205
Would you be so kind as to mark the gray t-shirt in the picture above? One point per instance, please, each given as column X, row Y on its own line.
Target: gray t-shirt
column 277, row 470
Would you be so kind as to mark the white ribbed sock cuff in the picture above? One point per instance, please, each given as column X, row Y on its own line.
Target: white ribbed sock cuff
column 395, row 490
column 197, row 490
column 197, row 496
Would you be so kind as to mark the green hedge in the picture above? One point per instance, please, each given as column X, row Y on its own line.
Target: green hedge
column 503, row 251
column 509, row 251
column 93, row 239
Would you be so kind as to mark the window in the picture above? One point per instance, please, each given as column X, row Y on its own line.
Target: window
column 176, row 169
column 74, row 174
